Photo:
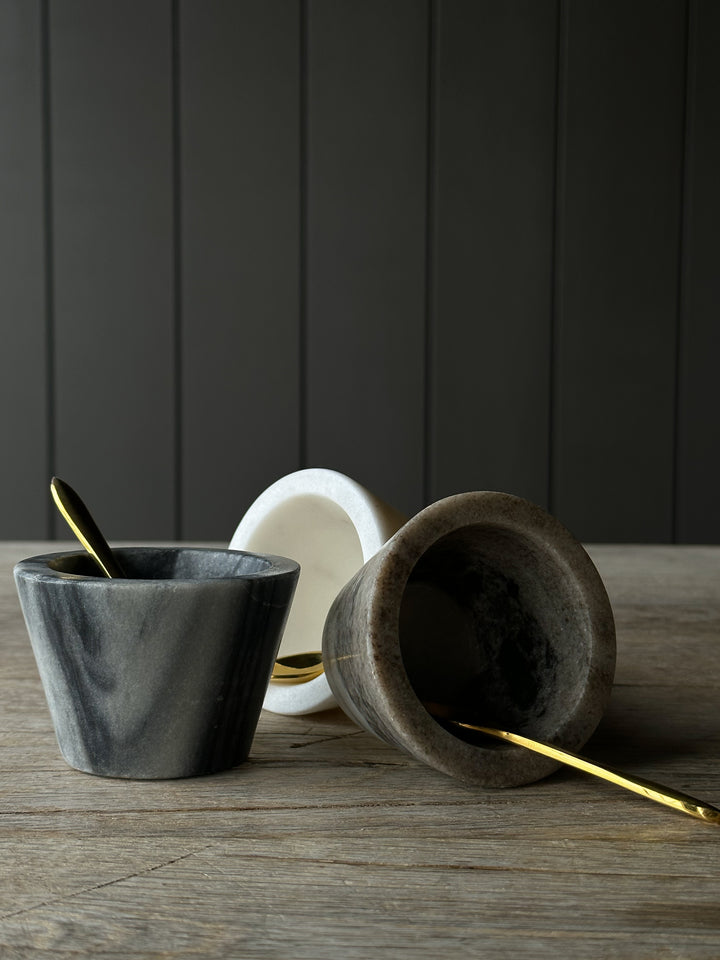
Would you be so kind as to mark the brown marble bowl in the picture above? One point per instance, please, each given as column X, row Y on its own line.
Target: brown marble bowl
column 484, row 603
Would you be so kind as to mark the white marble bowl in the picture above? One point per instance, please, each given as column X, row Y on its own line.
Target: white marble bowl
column 331, row 525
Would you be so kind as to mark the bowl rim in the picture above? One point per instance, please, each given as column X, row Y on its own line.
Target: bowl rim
column 38, row 568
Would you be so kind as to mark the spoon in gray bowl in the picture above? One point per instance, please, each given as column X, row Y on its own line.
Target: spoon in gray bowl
column 81, row 523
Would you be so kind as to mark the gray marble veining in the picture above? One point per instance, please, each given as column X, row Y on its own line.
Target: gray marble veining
column 486, row 604
column 161, row 674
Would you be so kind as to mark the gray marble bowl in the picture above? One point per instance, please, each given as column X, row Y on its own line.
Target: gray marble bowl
column 487, row 605
column 161, row 674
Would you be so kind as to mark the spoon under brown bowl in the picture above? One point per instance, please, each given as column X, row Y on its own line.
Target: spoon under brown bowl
column 297, row 668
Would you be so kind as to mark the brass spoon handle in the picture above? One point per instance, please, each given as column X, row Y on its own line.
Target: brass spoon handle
column 646, row 788
column 84, row 527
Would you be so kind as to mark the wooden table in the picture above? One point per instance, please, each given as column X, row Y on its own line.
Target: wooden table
column 329, row 844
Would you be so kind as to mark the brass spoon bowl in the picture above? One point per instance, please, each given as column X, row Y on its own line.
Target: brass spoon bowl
column 81, row 522
column 297, row 668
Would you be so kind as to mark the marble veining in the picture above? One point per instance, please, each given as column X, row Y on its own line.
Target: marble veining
column 487, row 604
column 162, row 674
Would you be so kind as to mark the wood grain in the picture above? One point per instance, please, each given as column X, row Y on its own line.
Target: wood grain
column 330, row 843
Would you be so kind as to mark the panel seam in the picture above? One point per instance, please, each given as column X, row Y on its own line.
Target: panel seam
column 49, row 260
column 303, row 399
column 177, row 272
column 428, row 479
column 683, row 256
column 557, row 255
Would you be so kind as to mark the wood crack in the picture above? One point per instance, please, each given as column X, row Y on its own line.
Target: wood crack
column 100, row 886
column 450, row 867
column 337, row 736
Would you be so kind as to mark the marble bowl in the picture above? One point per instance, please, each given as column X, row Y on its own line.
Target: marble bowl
column 161, row 674
column 486, row 604
column 331, row 525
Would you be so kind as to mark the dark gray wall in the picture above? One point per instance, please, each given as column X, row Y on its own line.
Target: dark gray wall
column 438, row 246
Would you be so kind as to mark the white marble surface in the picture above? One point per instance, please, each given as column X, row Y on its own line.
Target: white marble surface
column 331, row 525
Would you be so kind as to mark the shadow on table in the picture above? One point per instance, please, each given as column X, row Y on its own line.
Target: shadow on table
column 654, row 724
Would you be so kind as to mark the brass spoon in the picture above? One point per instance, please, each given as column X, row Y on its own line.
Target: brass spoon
column 297, row 668
column 84, row 527
column 302, row 667
column 646, row 788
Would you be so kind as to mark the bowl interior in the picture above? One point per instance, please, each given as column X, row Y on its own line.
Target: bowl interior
column 168, row 563
column 493, row 626
column 320, row 535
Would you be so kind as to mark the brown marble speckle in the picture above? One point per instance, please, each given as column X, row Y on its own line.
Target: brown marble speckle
column 485, row 603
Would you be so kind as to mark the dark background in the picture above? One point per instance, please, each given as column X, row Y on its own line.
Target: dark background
column 439, row 246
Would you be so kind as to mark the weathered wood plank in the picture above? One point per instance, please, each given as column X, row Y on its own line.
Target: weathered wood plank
column 263, row 907
column 330, row 843
column 650, row 731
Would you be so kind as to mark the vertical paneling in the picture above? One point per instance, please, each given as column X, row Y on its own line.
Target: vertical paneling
column 699, row 399
column 619, row 229
column 23, row 370
column 240, row 163
column 366, row 211
column 434, row 244
column 491, row 329
column 112, row 224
